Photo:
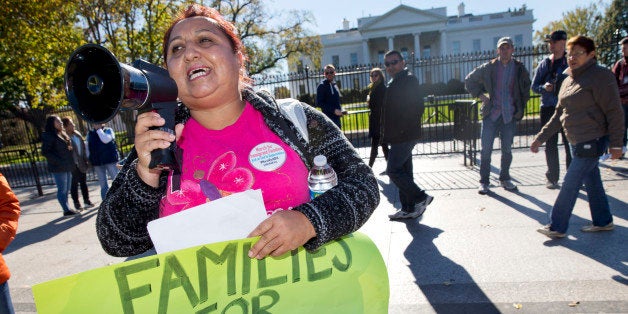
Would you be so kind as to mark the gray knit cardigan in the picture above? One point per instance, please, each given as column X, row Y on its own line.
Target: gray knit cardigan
column 130, row 203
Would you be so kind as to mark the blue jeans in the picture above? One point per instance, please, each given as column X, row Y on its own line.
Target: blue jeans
column 399, row 170
column 63, row 180
column 6, row 306
column 490, row 129
column 581, row 170
column 101, row 172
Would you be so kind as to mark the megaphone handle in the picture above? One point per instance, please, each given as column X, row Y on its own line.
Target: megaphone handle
column 164, row 158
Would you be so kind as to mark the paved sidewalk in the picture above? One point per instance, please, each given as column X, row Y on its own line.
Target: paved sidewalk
column 468, row 253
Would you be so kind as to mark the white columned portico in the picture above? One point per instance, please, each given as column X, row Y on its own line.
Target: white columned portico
column 417, row 45
column 390, row 43
column 365, row 51
column 443, row 42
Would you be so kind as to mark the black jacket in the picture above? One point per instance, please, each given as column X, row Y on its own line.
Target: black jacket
column 403, row 109
column 56, row 151
column 376, row 104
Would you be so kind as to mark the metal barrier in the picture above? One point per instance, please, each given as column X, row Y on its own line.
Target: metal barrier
column 22, row 169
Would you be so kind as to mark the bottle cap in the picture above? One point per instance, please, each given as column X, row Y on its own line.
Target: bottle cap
column 320, row 161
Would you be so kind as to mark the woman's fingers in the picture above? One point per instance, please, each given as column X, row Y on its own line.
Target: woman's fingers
column 146, row 141
column 283, row 231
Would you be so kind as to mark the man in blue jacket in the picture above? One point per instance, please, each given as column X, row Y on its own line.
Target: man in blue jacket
column 103, row 154
column 401, row 128
column 547, row 80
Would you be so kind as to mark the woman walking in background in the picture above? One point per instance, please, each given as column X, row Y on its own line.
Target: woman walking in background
column 589, row 111
column 375, row 102
column 56, row 146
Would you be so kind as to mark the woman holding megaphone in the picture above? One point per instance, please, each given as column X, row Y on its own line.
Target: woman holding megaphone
column 223, row 124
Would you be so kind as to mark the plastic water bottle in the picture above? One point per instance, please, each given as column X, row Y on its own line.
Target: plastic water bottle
column 322, row 177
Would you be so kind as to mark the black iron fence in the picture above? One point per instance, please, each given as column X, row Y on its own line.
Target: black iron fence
column 450, row 121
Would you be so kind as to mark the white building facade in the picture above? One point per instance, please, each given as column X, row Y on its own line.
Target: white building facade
column 424, row 34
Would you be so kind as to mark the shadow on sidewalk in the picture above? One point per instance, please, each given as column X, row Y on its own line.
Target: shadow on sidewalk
column 607, row 248
column 48, row 230
column 448, row 287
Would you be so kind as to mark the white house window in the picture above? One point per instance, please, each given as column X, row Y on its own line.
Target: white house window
column 455, row 47
column 335, row 60
column 518, row 40
column 477, row 45
column 380, row 56
column 427, row 51
column 404, row 53
column 354, row 58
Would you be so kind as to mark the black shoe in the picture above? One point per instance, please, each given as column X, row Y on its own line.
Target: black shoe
column 89, row 204
column 70, row 213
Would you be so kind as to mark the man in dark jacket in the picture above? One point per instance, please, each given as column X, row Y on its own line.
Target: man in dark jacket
column 328, row 96
column 507, row 83
column 401, row 127
column 620, row 69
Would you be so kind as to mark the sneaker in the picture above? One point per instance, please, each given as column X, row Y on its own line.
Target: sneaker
column 508, row 185
column 422, row 206
column 70, row 212
column 551, row 185
column 592, row 228
column 401, row 214
column 550, row 233
column 483, row 189
column 89, row 205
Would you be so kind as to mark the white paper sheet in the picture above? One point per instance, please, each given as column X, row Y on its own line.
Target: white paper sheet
column 228, row 218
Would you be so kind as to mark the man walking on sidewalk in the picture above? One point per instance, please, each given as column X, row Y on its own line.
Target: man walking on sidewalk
column 507, row 83
column 401, row 128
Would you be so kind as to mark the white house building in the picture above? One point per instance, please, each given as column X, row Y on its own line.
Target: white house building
column 424, row 33
column 416, row 33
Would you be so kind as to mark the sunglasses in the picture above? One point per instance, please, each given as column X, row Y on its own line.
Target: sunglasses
column 329, row 72
column 393, row 62
column 575, row 54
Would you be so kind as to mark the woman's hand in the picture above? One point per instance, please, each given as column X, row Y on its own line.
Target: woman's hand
column 534, row 147
column 283, row 231
column 616, row 152
column 146, row 141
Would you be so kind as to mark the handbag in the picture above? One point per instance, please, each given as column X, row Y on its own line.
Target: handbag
column 589, row 149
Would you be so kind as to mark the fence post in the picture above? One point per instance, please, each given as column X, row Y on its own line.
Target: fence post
column 40, row 191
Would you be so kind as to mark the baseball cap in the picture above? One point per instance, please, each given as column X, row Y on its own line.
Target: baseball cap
column 624, row 41
column 556, row 35
column 504, row 40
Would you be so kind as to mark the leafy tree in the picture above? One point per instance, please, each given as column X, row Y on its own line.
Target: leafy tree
column 613, row 27
column 35, row 40
column 267, row 45
column 36, row 37
column 129, row 29
column 580, row 21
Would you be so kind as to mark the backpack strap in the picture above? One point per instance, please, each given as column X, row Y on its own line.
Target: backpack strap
column 291, row 109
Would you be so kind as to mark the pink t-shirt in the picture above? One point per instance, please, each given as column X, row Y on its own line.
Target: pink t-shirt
column 242, row 156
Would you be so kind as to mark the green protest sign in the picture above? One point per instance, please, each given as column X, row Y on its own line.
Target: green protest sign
column 347, row 275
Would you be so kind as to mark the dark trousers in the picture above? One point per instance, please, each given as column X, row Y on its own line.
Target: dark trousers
column 399, row 169
column 374, row 146
column 79, row 178
column 625, row 107
column 551, row 148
